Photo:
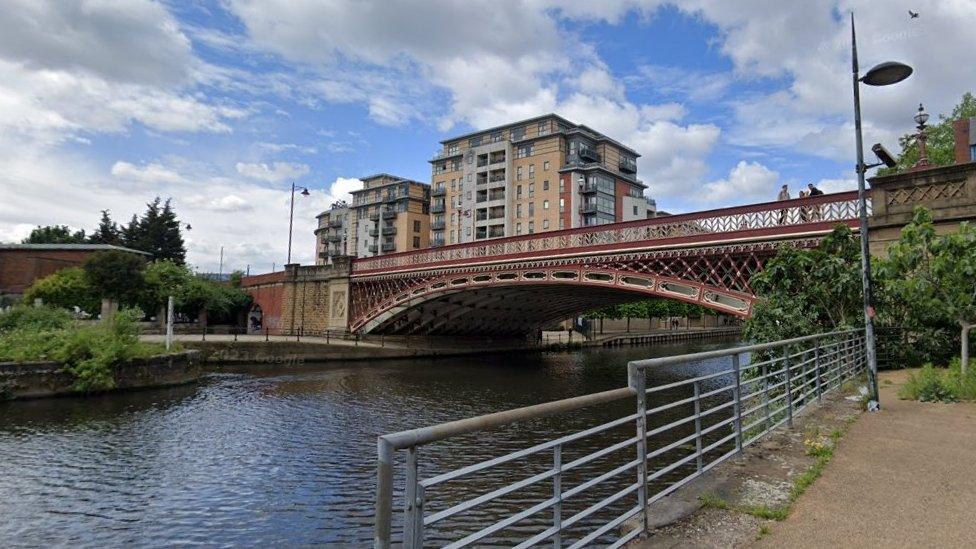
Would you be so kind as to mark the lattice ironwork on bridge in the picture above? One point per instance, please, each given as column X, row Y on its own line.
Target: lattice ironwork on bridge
column 515, row 285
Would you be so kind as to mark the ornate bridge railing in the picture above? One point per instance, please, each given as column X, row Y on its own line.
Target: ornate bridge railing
column 757, row 220
column 593, row 485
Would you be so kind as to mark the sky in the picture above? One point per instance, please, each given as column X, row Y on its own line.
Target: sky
column 222, row 104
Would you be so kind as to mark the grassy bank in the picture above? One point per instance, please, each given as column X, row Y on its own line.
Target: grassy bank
column 90, row 352
column 941, row 384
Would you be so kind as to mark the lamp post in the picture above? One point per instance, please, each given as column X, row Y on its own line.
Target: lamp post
column 291, row 216
column 880, row 75
column 921, row 118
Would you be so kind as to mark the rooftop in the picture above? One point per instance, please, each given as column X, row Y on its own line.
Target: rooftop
column 539, row 118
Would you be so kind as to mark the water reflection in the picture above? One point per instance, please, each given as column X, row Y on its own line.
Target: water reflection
column 256, row 456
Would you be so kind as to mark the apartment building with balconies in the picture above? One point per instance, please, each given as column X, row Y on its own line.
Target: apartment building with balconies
column 333, row 235
column 389, row 214
column 541, row 174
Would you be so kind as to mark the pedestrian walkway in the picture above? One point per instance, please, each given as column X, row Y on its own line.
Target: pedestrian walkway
column 904, row 477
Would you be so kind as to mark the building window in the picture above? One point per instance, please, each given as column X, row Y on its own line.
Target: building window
column 470, row 175
column 531, row 189
column 531, row 227
column 562, row 185
column 531, row 171
column 452, row 148
column 635, row 210
column 416, row 224
column 545, row 204
column 545, row 185
column 474, row 141
column 531, row 209
column 518, row 192
column 524, row 151
column 518, row 210
column 453, row 184
column 545, row 166
column 518, row 133
column 497, row 136
column 468, row 231
column 518, row 228
column 518, row 173
column 544, row 127
column 562, row 223
column 562, row 205
column 416, row 242
column 545, row 224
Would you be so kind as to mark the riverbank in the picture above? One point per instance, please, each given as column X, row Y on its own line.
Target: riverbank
column 241, row 349
column 26, row 380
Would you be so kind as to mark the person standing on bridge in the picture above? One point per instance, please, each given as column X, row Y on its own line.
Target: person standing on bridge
column 784, row 194
column 814, row 191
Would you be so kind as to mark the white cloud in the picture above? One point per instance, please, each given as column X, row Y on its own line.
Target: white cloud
column 747, row 182
column 149, row 174
column 274, row 173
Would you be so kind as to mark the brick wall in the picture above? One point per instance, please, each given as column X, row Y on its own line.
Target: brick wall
column 20, row 268
column 962, row 133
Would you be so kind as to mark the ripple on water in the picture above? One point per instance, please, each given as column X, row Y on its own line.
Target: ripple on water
column 260, row 458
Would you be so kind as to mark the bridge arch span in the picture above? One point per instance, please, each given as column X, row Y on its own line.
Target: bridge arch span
column 519, row 301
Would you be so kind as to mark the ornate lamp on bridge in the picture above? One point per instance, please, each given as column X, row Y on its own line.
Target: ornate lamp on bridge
column 921, row 118
column 291, row 216
column 881, row 75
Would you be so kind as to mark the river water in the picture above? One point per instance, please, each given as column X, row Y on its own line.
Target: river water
column 262, row 455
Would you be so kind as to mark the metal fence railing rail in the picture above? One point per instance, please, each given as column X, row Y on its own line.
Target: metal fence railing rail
column 671, row 434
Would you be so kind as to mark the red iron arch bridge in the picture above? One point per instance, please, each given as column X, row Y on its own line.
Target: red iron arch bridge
column 515, row 285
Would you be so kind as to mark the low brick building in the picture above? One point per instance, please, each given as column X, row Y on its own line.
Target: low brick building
column 22, row 264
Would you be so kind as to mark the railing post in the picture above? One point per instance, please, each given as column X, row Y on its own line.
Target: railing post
column 765, row 374
column 698, row 440
column 816, row 365
column 789, row 386
column 413, row 512
column 557, row 493
column 639, row 382
column 737, row 407
column 384, row 494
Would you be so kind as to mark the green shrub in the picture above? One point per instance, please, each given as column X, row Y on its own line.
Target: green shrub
column 34, row 318
column 929, row 385
column 90, row 353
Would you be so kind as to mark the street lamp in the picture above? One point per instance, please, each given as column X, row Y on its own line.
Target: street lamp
column 921, row 118
column 291, row 216
column 884, row 74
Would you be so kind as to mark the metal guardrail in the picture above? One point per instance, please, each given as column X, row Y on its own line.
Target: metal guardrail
column 675, row 432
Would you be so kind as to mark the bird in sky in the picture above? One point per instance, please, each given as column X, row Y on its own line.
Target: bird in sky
column 912, row 14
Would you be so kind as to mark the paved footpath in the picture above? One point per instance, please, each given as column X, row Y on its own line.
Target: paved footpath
column 905, row 477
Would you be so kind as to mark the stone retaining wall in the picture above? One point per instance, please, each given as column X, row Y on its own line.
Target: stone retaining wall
column 47, row 379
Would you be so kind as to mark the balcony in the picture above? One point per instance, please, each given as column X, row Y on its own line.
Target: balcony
column 438, row 191
column 437, row 225
column 481, row 215
column 627, row 165
column 436, row 242
column 335, row 223
column 389, row 247
column 374, row 233
column 587, row 208
column 375, row 216
column 588, row 188
column 386, row 231
column 437, row 207
column 372, row 248
column 389, row 214
column 589, row 153
column 334, row 238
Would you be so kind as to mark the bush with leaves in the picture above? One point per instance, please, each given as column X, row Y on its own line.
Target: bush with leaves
column 116, row 274
column 67, row 288
column 933, row 277
column 810, row 291
column 91, row 353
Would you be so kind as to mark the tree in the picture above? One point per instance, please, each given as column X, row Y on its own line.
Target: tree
column 107, row 232
column 67, row 288
column 116, row 274
column 936, row 274
column 131, row 233
column 157, row 232
column 940, row 141
column 808, row 291
column 55, row 234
